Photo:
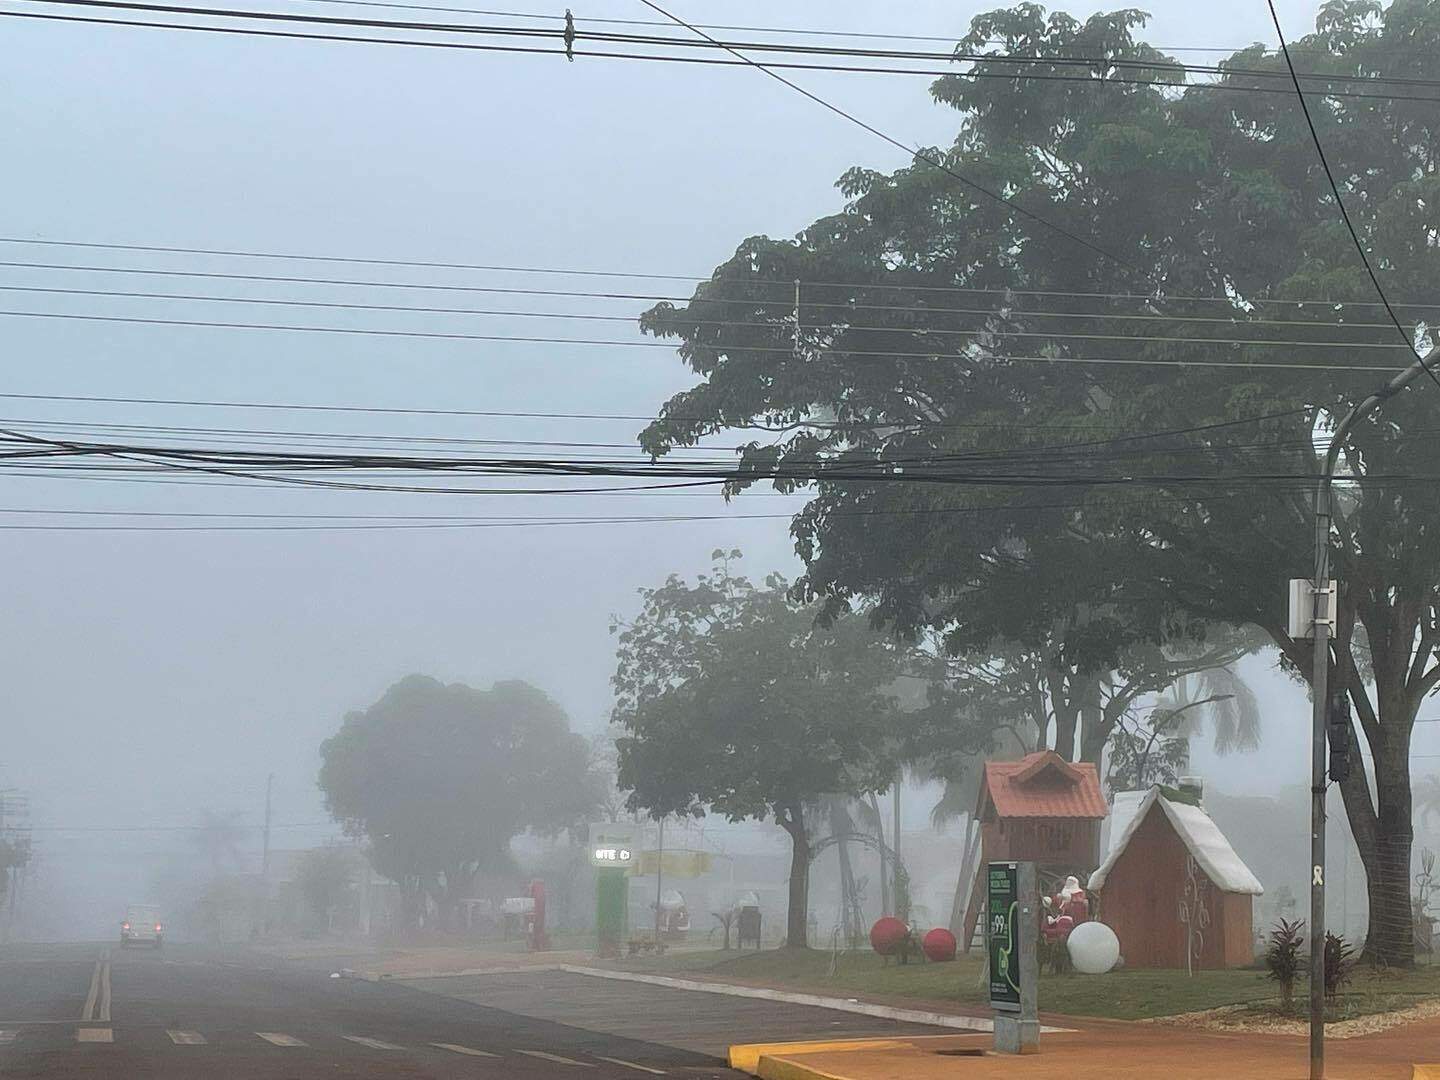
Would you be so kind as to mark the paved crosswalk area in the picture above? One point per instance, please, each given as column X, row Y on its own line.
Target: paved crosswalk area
column 19, row 1041
column 78, row 1012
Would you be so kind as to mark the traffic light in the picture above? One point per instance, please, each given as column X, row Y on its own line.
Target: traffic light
column 1338, row 722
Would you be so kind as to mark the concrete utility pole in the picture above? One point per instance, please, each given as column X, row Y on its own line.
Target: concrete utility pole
column 902, row 902
column 659, row 879
column 1324, row 616
column 265, row 855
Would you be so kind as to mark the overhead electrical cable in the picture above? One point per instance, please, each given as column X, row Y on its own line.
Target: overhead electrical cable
column 614, row 343
column 778, row 323
column 1234, row 302
column 431, row 43
column 1405, row 335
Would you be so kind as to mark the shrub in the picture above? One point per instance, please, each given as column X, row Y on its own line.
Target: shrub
column 1339, row 964
column 1282, row 958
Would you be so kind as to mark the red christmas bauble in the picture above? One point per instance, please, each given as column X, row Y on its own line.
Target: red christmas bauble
column 887, row 934
column 939, row 945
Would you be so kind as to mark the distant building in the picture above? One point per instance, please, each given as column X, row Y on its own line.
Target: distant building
column 1172, row 888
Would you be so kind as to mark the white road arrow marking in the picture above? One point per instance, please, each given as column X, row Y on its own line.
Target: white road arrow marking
column 280, row 1039
column 374, row 1044
column 632, row 1065
column 454, row 1049
column 555, row 1058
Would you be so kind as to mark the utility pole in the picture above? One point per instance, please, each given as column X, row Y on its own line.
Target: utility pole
column 1323, row 614
column 265, row 855
column 902, row 902
column 659, row 878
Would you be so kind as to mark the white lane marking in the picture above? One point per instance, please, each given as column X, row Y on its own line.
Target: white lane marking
column 186, row 1038
column 88, row 1011
column 103, row 1008
column 631, row 1065
column 96, row 1035
column 280, row 1039
column 374, row 1044
column 556, row 1058
column 9, row 1035
column 453, row 1048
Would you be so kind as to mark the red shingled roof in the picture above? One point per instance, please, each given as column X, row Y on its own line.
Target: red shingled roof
column 1043, row 784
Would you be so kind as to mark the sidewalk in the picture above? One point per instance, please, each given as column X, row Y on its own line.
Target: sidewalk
column 1114, row 1050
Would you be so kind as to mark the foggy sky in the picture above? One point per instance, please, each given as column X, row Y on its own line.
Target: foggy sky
column 148, row 675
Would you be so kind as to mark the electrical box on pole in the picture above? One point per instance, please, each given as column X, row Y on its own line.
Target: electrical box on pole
column 1301, row 622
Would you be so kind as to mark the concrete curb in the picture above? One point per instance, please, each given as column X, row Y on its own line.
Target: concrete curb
column 863, row 1008
column 406, row 976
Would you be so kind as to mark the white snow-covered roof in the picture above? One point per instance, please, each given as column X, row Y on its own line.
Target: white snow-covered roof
column 1123, row 809
column 1201, row 836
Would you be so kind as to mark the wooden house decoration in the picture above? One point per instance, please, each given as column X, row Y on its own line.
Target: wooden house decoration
column 1041, row 809
column 1174, row 890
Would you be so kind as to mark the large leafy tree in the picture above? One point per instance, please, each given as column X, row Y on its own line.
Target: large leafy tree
column 735, row 701
column 1200, row 283
column 440, row 778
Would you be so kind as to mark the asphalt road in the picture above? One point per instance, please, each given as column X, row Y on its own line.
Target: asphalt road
column 707, row 1024
column 193, row 1012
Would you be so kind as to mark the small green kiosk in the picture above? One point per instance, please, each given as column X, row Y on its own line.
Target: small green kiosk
column 612, row 853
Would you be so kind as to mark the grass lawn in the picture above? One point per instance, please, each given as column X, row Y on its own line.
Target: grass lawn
column 1123, row 995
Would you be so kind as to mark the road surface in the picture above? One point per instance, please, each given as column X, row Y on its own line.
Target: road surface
column 193, row 1012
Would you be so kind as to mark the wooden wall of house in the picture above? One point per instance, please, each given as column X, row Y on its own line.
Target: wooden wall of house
column 1073, row 842
column 1141, row 903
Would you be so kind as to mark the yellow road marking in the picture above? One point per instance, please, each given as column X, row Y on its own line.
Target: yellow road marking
column 746, row 1057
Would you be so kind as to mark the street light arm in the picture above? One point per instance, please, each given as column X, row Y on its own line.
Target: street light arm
column 1421, row 366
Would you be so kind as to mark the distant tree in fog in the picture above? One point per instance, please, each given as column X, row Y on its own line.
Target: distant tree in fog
column 323, row 877
column 440, row 778
column 735, row 701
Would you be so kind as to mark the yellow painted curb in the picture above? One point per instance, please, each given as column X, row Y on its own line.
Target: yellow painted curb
column 746, row 1056
column 1425, row 1072
column 779, row 1068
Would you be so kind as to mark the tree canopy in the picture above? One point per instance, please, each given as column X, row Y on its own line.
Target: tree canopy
column 735, row 701
column 1088, row 412
column 440, row 778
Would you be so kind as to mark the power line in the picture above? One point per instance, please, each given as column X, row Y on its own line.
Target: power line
column 1235, row 303
column 1340, row 202
column 843, row 324
column 1100, row 79
column 942, row 38
column 953, row 55
column 885, row 354
column 778, row 323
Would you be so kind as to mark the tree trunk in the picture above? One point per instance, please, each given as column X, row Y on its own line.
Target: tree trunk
column 797, row 917
column 1067, row 715
column 1391, row 937
column 850, row 917
column 964, row 885
column 885, row 908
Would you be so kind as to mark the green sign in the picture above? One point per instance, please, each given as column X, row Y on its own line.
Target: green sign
column 1002, row 933
column 613, row 844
